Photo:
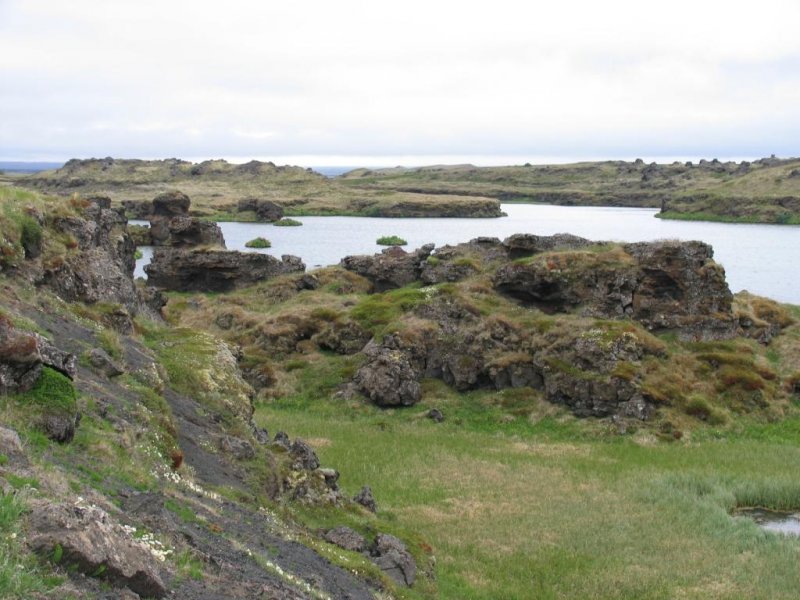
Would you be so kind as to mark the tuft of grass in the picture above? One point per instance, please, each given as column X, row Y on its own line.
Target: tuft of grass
column 258, row 242
column 287, row 222
column 391, row 240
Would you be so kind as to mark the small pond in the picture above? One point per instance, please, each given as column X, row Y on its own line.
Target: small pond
column 786, row 523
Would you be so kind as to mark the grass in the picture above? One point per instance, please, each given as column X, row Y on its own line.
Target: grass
column 391, row 240
column 20, row 574
column 558, row 508
column 287, row 222
column 258, row 242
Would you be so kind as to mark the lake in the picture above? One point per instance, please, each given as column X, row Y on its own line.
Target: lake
column 758, row 258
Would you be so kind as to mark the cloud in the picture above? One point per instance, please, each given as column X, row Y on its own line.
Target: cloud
column 248, row 78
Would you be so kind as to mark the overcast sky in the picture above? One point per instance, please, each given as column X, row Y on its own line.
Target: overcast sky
column 349, row 82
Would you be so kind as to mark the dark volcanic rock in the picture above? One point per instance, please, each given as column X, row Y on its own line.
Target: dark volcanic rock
column 101, row 267
column 346, row 538
column 103, row 363
column 185, row 232
column 171, row 204
column 303, row 456
column 387, row 377
column 394, row 559
column 365, row 498
column 265, row 210
column 60, row 427
column 22, row 355
column 214, row 270
column 453, row 263
column 528, row 244
column 392, row 268
column 681, row 287
column 237, row 447
column 91, row 542
column 663, row 285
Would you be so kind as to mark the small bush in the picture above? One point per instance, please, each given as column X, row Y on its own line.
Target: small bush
column 286, row 222
column 391, row 240
column 259, row 242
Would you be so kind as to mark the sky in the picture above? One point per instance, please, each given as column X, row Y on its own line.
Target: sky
column 351, row 82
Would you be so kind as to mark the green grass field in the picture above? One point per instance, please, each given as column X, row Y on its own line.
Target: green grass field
column 548, row 506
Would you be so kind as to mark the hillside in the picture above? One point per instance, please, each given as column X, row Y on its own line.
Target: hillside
column 596, row 412
column 217, row 188
column 766, row 190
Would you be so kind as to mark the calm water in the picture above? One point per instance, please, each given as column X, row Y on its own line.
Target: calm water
column 772, row 520
column 758, row 258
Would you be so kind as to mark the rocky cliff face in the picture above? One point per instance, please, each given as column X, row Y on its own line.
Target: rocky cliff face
column 214, row 270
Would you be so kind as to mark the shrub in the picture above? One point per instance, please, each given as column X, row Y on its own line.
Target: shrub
column 391, row 240
column 286, row 222
column 258, row 242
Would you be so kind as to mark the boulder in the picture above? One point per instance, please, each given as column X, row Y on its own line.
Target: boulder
column 303, row 456
column 265, row 210
column 88, row 540
column 186, row 232
column 392, row 268
column 394, row 559
column 237, row 447
column 346, row 538
column 387, row 377
column 60, row 427
column 171, row 204
column 346, row 337
column 214, row 270
column 22, row 355
column 11, row 446
column 103, row 363
column 365, row 498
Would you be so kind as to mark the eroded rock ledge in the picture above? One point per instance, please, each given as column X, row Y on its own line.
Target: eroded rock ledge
column 613, row 293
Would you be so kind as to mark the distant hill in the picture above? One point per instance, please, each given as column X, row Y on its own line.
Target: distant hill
column 217, row 187
column 765, row 190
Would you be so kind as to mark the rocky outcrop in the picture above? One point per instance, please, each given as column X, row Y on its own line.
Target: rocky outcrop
column 663, row 285
column 87, row 539
column 22, row 356
column 392, row 268
column 454, row 263
column 214, row 270
column 171, row 225
column 394, row 559
column 387, row 377
column 346, row 337
column 265, row 210
column 346, row 538
column 187, row 232
column 100, row 268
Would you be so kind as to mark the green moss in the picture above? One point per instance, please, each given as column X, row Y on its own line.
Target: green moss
column 52, row 391
column 391, row 240
column 259, row 242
